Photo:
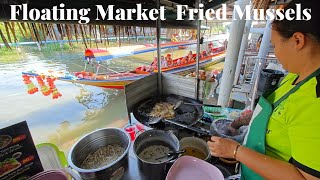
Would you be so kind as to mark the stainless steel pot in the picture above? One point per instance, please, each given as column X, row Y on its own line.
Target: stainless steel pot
column 198, row 144
column 154, row 170
column 93, row 141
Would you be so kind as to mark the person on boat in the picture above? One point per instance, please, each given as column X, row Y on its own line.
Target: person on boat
column 283, row 139
column 213, row 78
column 190, row 56
column 201, row 40
column 163, row 62
column 225, row 44
column 204, row 54
column 169, row 60
column 184, row 60
column 210, row 46
column 178, row 62
column 202, row 75
column 155, row 62
column 141, row 68
column 149, row 68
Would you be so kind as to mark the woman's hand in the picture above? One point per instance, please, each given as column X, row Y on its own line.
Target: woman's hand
column 222, row 147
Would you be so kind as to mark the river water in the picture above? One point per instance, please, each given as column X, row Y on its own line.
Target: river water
column 80, row 110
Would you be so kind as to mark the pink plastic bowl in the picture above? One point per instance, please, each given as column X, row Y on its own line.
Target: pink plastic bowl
column 50, row 175
column 191, row 168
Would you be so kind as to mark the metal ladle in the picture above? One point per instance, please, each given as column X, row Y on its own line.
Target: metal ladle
column 172, row 154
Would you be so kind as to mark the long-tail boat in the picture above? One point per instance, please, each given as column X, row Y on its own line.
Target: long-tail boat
column 118, row 80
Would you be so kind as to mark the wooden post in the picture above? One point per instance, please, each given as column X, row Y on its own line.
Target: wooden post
column 197, row 55
column 159, row 52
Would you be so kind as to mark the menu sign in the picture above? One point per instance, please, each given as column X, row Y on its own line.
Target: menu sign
column 19, row 159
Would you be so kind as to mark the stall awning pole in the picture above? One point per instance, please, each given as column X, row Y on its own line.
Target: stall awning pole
column 234, row 43
column 159, row 51
column 244, row 44
column 262, row 56
column 261, row 63
column 198, row 54
column 265, row 43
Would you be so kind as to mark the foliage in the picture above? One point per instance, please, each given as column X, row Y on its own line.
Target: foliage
column 9, row 55
column 55, row 47
column 219, row 29
column 6, row 51
column 19, row 36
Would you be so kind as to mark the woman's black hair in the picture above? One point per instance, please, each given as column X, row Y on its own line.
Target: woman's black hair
column 287, row 28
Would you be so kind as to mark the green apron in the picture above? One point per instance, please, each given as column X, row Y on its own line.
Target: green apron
column 256, row 136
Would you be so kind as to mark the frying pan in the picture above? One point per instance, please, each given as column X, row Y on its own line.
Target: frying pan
column 184, row 114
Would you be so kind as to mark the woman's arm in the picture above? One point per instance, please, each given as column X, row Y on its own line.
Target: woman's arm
column 267, row 167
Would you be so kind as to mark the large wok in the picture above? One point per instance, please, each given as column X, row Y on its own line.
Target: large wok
column 184, row 114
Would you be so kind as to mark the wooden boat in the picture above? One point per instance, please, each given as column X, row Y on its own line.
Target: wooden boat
column 118, row 80
column 182, row 47
column 112, row 80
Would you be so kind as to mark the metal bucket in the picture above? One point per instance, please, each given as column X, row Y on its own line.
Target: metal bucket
column 91, row 143
column 155, row 170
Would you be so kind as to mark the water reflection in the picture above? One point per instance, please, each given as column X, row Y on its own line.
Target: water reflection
column 80, row 110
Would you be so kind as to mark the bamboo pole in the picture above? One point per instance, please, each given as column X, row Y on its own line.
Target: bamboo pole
column 31, row 33
column 44, row 34
column 95, row 35
column 82, row 34
column 11, row 27
column 75, row 29
column 25, row 29
column 69, row 36
column 119, row 35
column 21, row 31
column 7, row 31
column 48, row 31
column 54, row 32
column 135, row 33
column 4, row 40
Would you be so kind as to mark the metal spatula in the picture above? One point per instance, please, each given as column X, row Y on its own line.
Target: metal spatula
column 155, row 120
column 179, row 103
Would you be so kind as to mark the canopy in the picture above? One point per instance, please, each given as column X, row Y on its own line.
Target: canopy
column 116, row 52
column 98, row 54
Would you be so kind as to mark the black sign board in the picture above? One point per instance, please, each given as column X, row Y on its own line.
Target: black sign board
column 19, row 159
